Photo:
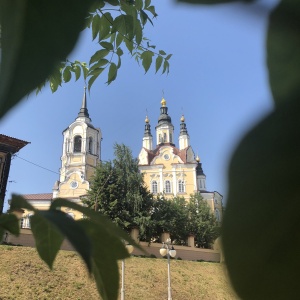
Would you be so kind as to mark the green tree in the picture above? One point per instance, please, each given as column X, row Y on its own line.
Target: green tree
column 202, row 222
column 118, row 191
column 170, row 215
column 181, row 218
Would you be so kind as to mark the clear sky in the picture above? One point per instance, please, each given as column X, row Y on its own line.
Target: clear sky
column 218, row 79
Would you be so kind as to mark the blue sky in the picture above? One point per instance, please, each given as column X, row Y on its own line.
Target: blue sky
column 218, row 79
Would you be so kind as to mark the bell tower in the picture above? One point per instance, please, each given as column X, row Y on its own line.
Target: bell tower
column 80, row 155
column 164, row 128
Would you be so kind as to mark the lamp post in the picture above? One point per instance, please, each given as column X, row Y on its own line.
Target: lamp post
column 129, row 249
column 168, row 249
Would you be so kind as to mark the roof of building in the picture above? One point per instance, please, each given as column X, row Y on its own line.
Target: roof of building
column 181, row 153
column 13, row 144
column 44, row 196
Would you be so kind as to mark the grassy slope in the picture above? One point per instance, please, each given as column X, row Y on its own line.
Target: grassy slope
column 24, row 276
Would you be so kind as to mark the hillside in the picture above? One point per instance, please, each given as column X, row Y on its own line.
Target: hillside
column 24, row 276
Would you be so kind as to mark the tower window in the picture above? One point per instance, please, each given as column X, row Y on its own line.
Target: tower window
column 160, row 138
column 181, row 187
column 165, row 137
column 77, row 143
column 167, row 186
column 171, row 139
column 154, row 187
column 90, row 145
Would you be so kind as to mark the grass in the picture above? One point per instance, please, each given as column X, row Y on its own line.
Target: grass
column 23, row 275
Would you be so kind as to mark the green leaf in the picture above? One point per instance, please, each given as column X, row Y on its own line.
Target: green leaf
column 158, row 63
column 106, row 251
column 104, row 27
column 48, row 239
column 144, row 17
column 10, row 223
column 67, row 74
column 85, row 71
column 119, row 62
column 119, row 25
column 71, row 230
column 138, row 4
column 98, row 55
column 166, row 67
column 129, row 45
column 96, row 72
column 112, row 73
column 107, row 45
column 100, row 63
column 119, row 52
column 147, row 59
column 28, row 36
column 119, row 39
column 95, row 25
column 260, row 233
column 162, row 52
column 152, row 10
column 77, row 71
column 138, row 33
column 283, row 49
column 18, row 202
column 97, row 218
column 169, row 56
column 147, row 3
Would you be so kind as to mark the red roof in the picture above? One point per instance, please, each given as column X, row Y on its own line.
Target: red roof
column 45, row 196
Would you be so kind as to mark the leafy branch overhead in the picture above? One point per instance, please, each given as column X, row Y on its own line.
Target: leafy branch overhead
column 36, row 40
column 118, row 27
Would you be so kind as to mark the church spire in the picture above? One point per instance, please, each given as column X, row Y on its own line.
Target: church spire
column 184, row 138
column 147, row 139
column 83, row 113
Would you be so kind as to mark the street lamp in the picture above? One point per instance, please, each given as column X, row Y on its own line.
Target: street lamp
column 129, row 249
column 166, row 250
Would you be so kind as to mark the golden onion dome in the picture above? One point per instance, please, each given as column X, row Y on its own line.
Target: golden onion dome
column 147, row 120
column 163, row 102
column 198, row 158
column 182, row 119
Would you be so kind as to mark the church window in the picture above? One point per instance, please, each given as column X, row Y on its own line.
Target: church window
column 167, row 186
column 171, row 138
column 181, row 187
column 154, row 187
column 160, row 138
column 90, row 145
column 165, row 137
column 77, row 143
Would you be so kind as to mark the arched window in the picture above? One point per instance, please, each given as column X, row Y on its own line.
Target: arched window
column 90, row 145
column 160, row 138
column 165, row 137
column 77, row 143
column 181, row 186
column 171, row 138
column 167, row 186
column 154, row 187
